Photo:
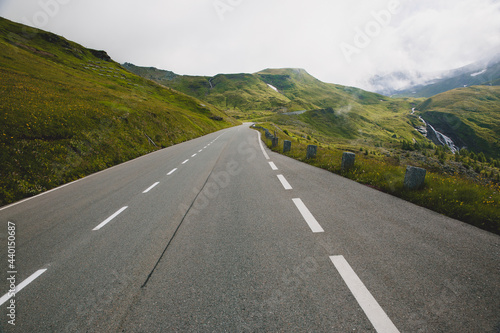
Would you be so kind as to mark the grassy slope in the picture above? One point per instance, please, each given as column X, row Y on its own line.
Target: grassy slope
column 338, row 112
column 301, row 87
column 66, row 113
column 381, row 124
column 342, row 114
column 470, row 116
column 250, row 92
column 233, row 92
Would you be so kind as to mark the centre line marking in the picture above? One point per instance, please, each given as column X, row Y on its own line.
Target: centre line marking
column 185, row 161
column 109, row 219
column 21, row 286
column 284, row 182
column 193, row 155
column 262, row 147
column 306, row 214
column 171, row 172
column 273, row 166
column 199, row 151
column 370, row 306
column 151, row 187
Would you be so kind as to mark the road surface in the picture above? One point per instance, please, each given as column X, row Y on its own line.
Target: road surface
column 219, row 234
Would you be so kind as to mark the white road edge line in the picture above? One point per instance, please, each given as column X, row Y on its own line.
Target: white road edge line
column 71, row 183
column 41, row 194
column 306, row 214
column 151, row 187
column 171, row 172
column 284, row 182
column 273, row 166
column 370, row 306
column 109, row 219
column 185, row 161
column 78, row 180
column 21, row 286
column 262, row 147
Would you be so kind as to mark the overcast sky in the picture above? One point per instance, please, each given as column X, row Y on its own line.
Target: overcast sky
column 344, row 42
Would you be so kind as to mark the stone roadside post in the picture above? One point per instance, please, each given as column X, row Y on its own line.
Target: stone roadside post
column 414, row 178
column 311, row 151
column 287, row 146
column 348, row 160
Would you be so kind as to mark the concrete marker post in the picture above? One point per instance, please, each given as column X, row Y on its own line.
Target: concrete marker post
column 275, row 142
column 287, row 146
column 348, row 160
column 311, row 151
column 414, row 178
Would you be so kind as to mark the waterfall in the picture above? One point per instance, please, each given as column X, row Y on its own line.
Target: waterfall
column 439, row 138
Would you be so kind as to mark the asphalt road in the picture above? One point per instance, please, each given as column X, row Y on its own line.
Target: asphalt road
column 209, row 236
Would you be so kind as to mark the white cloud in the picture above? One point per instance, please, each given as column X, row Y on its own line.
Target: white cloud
column 189, row 37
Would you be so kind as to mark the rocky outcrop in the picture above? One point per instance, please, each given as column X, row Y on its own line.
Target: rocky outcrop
column 101, row 55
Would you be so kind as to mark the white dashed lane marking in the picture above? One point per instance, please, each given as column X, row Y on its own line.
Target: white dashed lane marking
column 151, row 187
column 109, row 219
column 21, row 286
column 306, row 214
column 273, row 166
column 284, row 182
column 370, row 306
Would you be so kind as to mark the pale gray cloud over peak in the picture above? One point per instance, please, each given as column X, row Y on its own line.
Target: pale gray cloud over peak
column 343, row 42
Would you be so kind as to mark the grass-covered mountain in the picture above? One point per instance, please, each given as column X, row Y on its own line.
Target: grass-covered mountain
column 335, row 112
column 278, row 90
column 238, row 92
column 339, row 113
column 67, row 111
column 470, row 116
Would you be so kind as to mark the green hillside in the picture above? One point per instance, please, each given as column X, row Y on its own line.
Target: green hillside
column 470, row 116
column 335, row 112
column 385, row 124
column 338, row 113
column 297, row 84
column 231, row 92
column 242, row 94
column 67, row 111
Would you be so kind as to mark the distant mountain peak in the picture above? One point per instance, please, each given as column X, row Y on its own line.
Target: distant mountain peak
column 419, row 84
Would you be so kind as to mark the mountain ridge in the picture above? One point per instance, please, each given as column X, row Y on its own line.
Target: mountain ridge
column 366, row 116
column 245, row 92
column 483, row 72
